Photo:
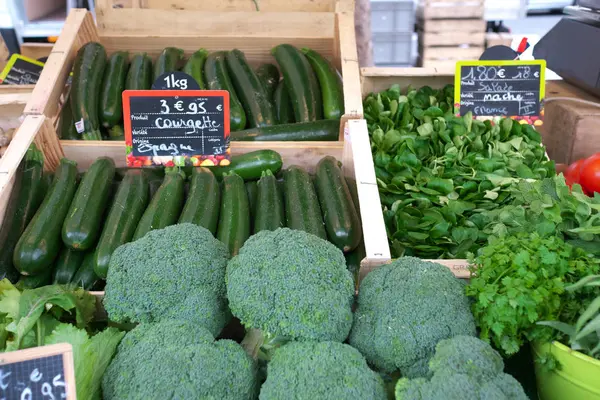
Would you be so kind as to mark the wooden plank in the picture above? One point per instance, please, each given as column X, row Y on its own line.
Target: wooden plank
column 451, row 53
column 458, row 38
column 451, row 26
column 36, row 50
column 5, row 196
column 378, row 79
column 451, row 10
column 498, row 39
column 4, row 53
column 14, row 89
column 220, row 6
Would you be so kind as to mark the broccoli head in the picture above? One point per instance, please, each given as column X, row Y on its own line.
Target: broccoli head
column 320, row 370
column 463, row 368
column 292, row 284
column 172, row 273
column 179, row 360
column 404, row 309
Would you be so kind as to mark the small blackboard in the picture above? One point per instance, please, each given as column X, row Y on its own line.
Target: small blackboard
column 500, row 88
column 21, row 70
column 38, row 373
column 176, row 123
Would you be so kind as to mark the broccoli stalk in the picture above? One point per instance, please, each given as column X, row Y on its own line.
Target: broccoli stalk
column 260, row 345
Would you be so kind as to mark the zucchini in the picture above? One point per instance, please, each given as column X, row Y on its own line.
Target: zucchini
column 67, row 264
column 300, row 82
column 283, row 104
column 169, row 60
column 250, row 166
column 26, row 196
column 269, row 213
column 194, row 67
column 85, row 277
column 139, row 76
column 302, row 210
column 203, row 201
column 35, row 281
column 113, row 84
column 84, row 220
column 40, row 242
column 85, row 89
column 217, row 78
column 125, row 213
column 269, row 76
column 325, row 130
column 153, row 185
column 166, row 204
column 66, row 128
column 234, row 218
column 353, row 260
column 341, row 219
column 332, row 91
column 251, row 191
column 250, row 90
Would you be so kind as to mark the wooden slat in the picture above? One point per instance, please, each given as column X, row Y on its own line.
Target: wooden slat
column 451, row 26
column 5, row 196
column 379, row 79
column 497, row 39
column 451, row 10
column 14, row 89
column 451, row 53
column 458, row 38
column 220, row 6
column 36, row 50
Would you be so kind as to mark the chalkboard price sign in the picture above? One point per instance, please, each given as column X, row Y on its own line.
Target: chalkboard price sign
column 500, row 88
column 21, row 70
column 39, row 373
column 176, row 127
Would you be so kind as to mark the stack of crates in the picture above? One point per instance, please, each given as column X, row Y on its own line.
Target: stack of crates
column 394, row 39
column 450, row 31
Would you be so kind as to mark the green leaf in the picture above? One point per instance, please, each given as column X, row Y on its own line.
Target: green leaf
column 591, row 327
column 567, row 329
column 588, row 314
column 390, row 139
column 443, row 186
column 425, row 129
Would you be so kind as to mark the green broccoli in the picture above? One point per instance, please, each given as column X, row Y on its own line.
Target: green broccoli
column 320, row 370
column 173, row 273
column 463, row 368
column 290, row 284
column 404, row 309
column 179, row 360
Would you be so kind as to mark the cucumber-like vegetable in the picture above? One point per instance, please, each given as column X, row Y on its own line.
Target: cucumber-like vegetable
column 250, row 166
column 341, row 219
column 125, row 213
column 300, row 82
column 250, row 90
column 26, row 196
column 83, row 223
column 195, row 67
column 66, row 129
column 169, row 60
column 325, row 130
column 283, row 104
column 252, row 191
column 40, row 242
column 153, row 185
column 332, row 91
column 269, row 76
column 113, row 84
column 165, row 206
column 203, row 200
column 302, row 210
column 85, row 277
column 353, row 260
column 35, row 281
column 67, row 264
column 234, row 218
column 217, row 78
column 139, row 76
column 269, row 213
column 85, row 89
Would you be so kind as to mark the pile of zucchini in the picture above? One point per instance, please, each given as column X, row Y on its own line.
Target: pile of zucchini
column 304, row 105
column 70, row 236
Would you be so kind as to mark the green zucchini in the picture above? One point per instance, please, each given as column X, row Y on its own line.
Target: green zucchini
column 166, row 204
column 269, row 76
column 67, row 264
column 153, row 185
column 353, row 260
column 283, row 104
column 194, row 67
column 251, row 165
column 83, row 223
column 113, row 84
column 341, row 219
column 302, row 210
column 332, row 91
column 300, row 82
column 139, row 76
column 203, row 200
column 217, row 78
column 269, row 213
column 250, row 90
column 125, row 213
column 85, row 89
column 85, row 277
column 252, row 192
column 169, row 60
column 66, row 128
column 234, row 218
column 34, row 281
column 325, row 130
column 40, row 242
column 25, row 197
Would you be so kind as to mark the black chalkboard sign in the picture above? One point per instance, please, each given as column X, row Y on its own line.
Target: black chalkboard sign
column 21, row 70
column 38, row 373
column 175, row 123
column 500, row 88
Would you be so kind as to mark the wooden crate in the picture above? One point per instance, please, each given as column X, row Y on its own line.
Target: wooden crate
column 498, row 39
column 445, row 58
column 450, row 9
column 36, row 50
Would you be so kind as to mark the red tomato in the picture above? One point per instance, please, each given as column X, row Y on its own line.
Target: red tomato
column 169, row 164
column 589, row 176
column 572, row 173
